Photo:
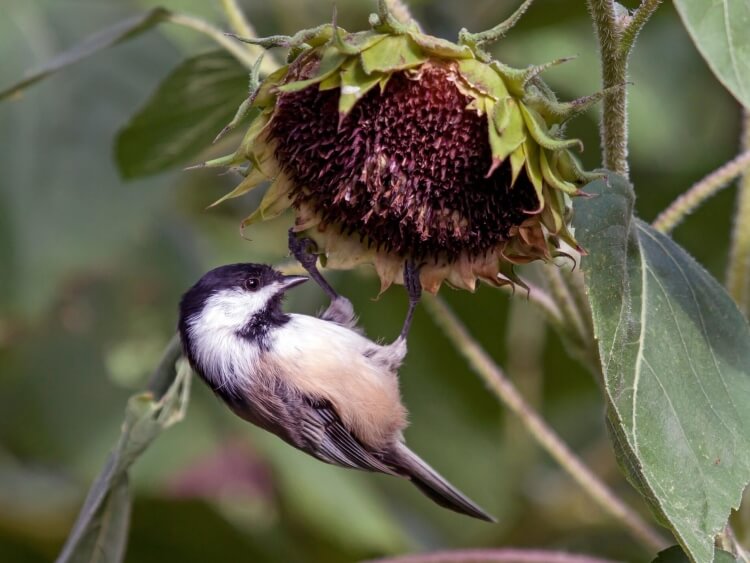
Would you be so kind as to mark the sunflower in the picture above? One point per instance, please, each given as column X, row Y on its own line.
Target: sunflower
column 392, row 145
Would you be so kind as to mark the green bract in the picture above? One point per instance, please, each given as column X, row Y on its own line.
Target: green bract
column 391, row 144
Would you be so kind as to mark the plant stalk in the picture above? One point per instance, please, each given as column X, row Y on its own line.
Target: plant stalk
column 237, row 20
column 699, row 192
column 243, row 55
column 497, row 381
column 738, row 272
column 616, row 32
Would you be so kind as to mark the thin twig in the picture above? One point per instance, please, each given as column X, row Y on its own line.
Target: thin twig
column 543, row 434
column 572, row 315
column 237, row 20
column 634, row 27
column 701, row 191
column 507, row 555
column 541, row 299
column 244, row 56
column 738, row 272
column 242, row 27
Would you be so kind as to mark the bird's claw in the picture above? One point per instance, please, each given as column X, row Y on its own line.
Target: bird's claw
column 303, row 249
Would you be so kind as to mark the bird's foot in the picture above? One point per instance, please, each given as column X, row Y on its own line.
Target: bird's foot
column 303, row 249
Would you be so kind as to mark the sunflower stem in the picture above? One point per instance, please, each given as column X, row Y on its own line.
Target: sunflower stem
column 709, row 186
column 616, row 32
column 738, row 272
column 499, row 383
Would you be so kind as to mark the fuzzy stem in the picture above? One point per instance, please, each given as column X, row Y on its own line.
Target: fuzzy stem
column 704, row 189
column 616, row 37
column 237, row 20
column 497, row 381
column 738, row 273
column 614, row 125
column 632, row 29
column 246, row 57
column 507, row 555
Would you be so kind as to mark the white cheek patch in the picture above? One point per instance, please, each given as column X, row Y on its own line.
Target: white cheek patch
column 224, row 357
column 233, row 308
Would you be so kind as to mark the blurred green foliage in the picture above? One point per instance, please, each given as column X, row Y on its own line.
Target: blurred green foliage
column 91, row 268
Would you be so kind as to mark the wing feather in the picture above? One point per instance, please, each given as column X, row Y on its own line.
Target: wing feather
column 331, row 441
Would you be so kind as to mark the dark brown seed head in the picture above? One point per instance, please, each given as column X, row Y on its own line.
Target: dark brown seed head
column 405, row 169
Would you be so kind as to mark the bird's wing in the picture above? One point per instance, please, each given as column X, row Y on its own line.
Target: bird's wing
column 332, row 442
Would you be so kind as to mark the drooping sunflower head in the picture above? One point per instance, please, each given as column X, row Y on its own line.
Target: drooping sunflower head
column 390, row 144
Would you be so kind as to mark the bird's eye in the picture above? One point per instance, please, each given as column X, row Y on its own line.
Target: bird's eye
column 251, row 284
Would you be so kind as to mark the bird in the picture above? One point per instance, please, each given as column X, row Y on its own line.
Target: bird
column 316, row 382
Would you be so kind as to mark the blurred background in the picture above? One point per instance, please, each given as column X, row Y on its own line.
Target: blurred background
column 92, row 266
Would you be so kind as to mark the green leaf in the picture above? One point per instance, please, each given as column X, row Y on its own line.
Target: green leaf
column 186, row 111
column 99, row 533
column 675, row 355
column 395, row 52
column 719, row 30
column 483, row 77
column 126, row 29
column 675, row 554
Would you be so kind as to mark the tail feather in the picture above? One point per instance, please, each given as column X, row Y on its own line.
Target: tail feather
column 436, row 487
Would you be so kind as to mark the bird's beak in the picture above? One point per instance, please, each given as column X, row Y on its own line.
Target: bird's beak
column 289, row 282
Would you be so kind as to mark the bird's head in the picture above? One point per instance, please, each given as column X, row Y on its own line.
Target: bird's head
column 234, row 296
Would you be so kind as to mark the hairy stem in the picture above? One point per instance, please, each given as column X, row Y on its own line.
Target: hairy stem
column 494, row 556
column 738, row 272
column 616, row 32
column 634, row 27
column 704, row 189
column 243, row 55
column 614, row 124
column 497, row 381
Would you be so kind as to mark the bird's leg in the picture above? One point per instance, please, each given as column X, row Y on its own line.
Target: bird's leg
column 413, row 286
column 340, row 310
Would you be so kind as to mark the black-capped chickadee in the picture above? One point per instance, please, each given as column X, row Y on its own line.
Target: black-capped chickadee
column 316, row 382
